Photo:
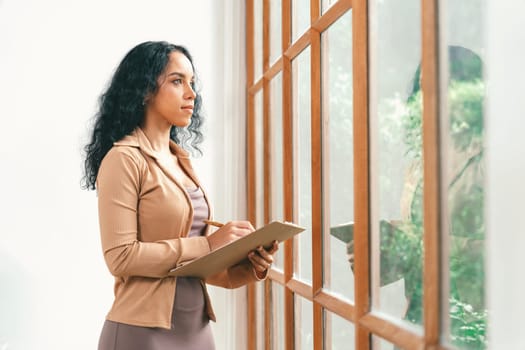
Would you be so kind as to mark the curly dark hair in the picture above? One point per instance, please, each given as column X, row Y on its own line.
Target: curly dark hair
column 121, row 107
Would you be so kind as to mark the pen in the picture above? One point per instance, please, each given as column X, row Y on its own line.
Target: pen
column 213, row 223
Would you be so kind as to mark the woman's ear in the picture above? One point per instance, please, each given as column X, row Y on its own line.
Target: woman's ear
column 147, row 98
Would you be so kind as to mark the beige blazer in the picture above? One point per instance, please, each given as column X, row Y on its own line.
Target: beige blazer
column 145, row 215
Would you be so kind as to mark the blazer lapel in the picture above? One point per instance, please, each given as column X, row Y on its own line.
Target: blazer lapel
column 139, row 139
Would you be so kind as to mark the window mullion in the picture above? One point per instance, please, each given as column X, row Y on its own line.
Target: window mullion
column 431, row 172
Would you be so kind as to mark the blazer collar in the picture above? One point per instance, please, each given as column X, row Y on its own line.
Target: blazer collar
column 137, row 138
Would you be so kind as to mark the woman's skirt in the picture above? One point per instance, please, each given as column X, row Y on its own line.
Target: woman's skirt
column 190, row 326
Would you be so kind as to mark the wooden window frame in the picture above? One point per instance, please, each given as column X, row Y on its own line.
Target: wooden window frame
column 359, row 314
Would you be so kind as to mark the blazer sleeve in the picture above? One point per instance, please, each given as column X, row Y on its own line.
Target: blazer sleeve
column 118, row 189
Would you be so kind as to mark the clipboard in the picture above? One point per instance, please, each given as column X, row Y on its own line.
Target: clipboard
column 236, row 251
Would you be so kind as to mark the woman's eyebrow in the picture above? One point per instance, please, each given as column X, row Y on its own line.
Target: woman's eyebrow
column 181, row 75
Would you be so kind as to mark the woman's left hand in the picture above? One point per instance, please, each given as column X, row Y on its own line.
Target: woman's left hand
column 262, row 259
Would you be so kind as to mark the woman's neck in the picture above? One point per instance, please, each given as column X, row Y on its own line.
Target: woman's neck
column 158, row 135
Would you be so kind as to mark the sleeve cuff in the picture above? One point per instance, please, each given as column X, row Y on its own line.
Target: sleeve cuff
column 192, row 248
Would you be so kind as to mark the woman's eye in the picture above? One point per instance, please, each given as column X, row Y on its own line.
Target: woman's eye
column 177, row 81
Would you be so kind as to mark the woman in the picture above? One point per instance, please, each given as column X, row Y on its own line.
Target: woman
column 152, row 206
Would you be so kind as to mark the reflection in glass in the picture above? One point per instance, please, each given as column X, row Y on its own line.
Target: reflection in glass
column 300, row 17
column 304, row 330
column 338, row 111
column 277, row 333
column 258, row 38
column 464, row 151
column 340, row 332
column 259, row 159
column 275, row 30
column 303, row 171
column 276, row 113
column 396, row 167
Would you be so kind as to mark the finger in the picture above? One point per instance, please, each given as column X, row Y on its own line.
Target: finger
column 238, row 224
column 263, row 258
column 265, row 255
column 274, row 247
column 232, row 229
column 241, row 228
column 243, row 224
column 240, row 232
column 258, row 262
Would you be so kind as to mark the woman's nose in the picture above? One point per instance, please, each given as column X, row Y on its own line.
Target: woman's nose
column 190, row 93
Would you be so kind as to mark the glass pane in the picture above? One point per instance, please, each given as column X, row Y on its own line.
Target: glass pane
column 300, row 17
column 396, row 161
column 258, row 38
column 259, row 289
column 259, row 159
column 326, row 4
column 276, row 109
column 303, row 171
column 304, row 330
column 275, row 30
column 338, row 113
column 339, row 333
column 277, row 333
column 464, row 140
column 381, row 344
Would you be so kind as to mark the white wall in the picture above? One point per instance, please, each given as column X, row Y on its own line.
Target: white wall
column 55, row 58
column 225, row 156
column 506, row 173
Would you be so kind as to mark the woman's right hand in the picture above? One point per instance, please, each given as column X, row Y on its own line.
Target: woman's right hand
column 230, row 232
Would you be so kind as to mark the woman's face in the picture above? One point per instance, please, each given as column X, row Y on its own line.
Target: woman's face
column 174, row 99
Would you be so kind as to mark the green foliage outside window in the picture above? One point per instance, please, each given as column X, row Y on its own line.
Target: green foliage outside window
column 464, row 155
column 401, row 245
